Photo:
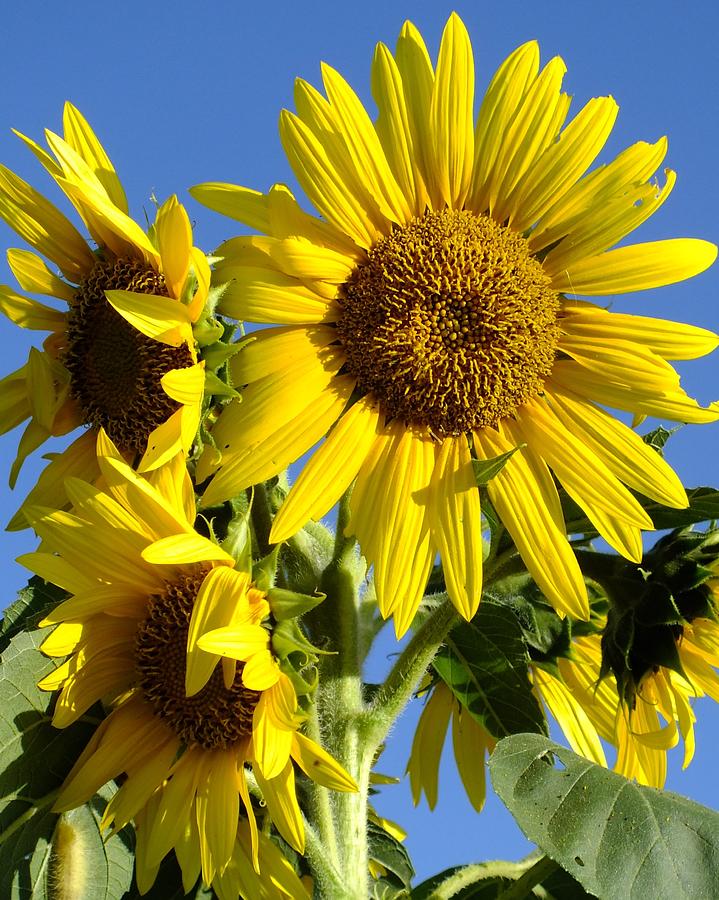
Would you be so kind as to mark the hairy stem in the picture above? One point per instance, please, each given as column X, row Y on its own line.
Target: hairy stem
column 406, row 673
column 329, row 880
column 522, row 887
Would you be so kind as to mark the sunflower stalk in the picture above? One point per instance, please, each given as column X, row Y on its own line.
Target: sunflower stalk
column 341, row 706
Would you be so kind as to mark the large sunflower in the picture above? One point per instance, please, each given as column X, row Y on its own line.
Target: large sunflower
column 145, row 588
column 121, row 354
column 424, row 321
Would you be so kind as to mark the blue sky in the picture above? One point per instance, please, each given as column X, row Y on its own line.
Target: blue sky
column 178, row 97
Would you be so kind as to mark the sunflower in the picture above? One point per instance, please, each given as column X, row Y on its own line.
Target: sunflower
column 471, row 743
column 145, row 587
column 120, row 354
column 424, row 321
column 587, row 707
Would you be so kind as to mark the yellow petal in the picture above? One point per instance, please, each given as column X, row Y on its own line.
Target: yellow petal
column 624, row 453
column 469, row 741
column 415, row 68
column 670, row 403
column 330, row 471
column 450, row 115
column 393, row 127
column 303, row 259
column 322, row 182
column 260, row 672
column 183, row 549
column 456, row 524
column 235, row 642
column 427, row 744
column 214, row 606
column 532, row 130
column 637, row 267
column 38, row 222
column 174, row 238
column 363, row 147
column 34, row 276
column 570, row 716
column 318, row 765
column 391, row 521
column 604, row 227
column 670, row 340
column 526, row 500
column 239, row 203
column 266, row 295
column 563, row 162
column 160, row 318
column 82, row 139
column 271, row 737
column 499, row 106
column 284, row 443
column 218, row 807
column 281, row 799
column 29, row 313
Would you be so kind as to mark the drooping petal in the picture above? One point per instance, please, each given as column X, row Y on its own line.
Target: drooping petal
column 34, row 276
column 318, row 765
column 456, row 523
column 526, row 499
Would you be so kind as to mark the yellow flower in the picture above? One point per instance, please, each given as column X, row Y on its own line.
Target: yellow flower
column 587, row 709
column 423, row 319
column 121, row 354
column 470, row 741
column 145, row 588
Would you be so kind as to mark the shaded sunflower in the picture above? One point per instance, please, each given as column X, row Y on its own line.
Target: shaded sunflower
column 121, row 355
column 423, row 319
column 145, row 587
column 587, row 706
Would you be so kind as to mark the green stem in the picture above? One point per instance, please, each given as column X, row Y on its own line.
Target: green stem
column 261, row 517
column 404, row 677
column 522, row 887
column 41, row 803
column 341, row 704
column 321, row 810
column 329, row 879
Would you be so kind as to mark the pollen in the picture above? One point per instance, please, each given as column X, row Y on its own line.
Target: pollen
column 115, row 370
column 216, row 717
column 451, row 322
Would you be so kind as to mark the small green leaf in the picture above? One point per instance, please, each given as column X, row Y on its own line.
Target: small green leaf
column 658, row 438
column 618, row 839
column 216, row 387
column 390, row 853
column 486, row 469
column 286, row 604
column 485, row 664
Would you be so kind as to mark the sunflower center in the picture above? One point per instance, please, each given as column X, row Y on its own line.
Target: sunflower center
column 451, row 322
column 115, row 370
column 216, row 717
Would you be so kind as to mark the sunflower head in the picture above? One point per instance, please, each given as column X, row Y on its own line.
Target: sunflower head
column 651, row 606
column 122, row 354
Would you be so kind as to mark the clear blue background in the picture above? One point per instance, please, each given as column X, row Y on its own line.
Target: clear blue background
column 183, row 92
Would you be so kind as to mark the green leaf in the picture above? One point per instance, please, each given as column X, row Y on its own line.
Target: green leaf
column 658, row 438
column 446, row 885
column 33, row 602
column 390, row 853
column 486, row 469
column 485, row 664
column 618, row 839
column 286, row 604
column 35, row 757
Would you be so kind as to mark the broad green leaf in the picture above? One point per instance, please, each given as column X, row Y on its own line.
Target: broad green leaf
column 486, row 469
column 389, row 852
column 620, row 840
column 34, row 759
column 485, row 664
column 33, row 602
